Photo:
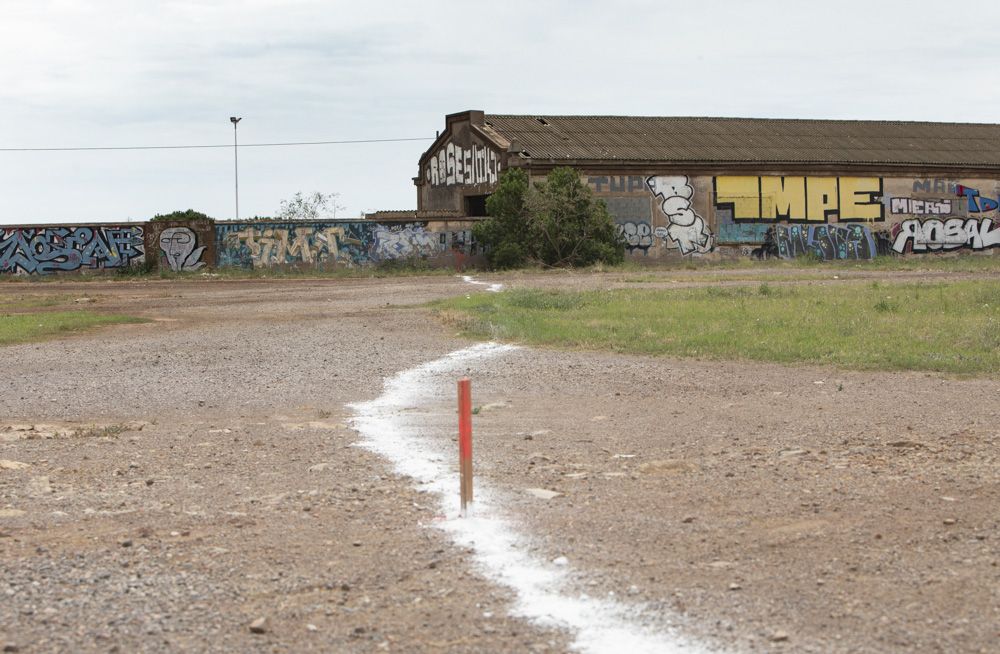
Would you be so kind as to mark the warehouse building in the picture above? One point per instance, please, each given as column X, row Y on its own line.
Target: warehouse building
column 717, row 187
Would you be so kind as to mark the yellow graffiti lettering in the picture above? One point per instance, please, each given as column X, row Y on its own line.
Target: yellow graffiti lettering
column 814, row 199
column 743, row 193
column 821, row 198
column 861, row 198
column 783, row 197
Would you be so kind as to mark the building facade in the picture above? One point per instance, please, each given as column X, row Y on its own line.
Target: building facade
column 717, row 187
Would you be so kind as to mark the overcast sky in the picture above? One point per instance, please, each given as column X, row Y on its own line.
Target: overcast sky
column 128, row 73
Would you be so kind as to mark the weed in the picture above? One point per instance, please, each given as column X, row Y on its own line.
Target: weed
column 943, row 326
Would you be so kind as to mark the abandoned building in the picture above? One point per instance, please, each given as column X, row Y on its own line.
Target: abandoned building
column 837, row 189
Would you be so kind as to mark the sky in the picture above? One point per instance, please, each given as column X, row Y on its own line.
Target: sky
column 117, row 73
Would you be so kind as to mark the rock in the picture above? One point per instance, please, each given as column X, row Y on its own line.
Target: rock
column 11, row 513
column 779, row 636
column 11, row 647
column 126, row 542
column 666, row 466
column 542, row 493
column 320, row 467
column 6, row 464
column 40, row 486
column 598, row 418
column 949, row 521
column 735, row 586
column 312, row 627
column 560, row 561
column 259, row 626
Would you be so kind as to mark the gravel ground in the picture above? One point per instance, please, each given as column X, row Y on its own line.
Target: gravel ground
column 184, row 478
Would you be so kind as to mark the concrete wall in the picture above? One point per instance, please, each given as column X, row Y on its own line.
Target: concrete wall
column 43, row 249
column 346, row 244
column 197, row 245
column 666, row 212
column 830, row 216
column 460, row 164
column 181, row 245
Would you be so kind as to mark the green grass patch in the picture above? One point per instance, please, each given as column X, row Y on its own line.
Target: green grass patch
column 951, row 327
column 22, row 328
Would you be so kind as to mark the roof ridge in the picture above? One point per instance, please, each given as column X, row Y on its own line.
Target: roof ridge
column 736, row 118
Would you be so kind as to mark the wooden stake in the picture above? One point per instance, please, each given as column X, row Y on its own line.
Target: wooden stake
column 465, row 440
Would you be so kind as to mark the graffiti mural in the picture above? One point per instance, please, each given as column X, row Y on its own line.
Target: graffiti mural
column 42, row 250
column 261, row 245
column 937, row 185
column 919, row 207
column 828, row 242
column 976, row 202
column 403, row 243
column 800, row 199
column 455, row 164
column 179, row 245
column 637, row 236
column 616, row 183
column 685, row 228
column 951, row 234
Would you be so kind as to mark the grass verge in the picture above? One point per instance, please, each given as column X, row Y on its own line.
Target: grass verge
column 951, row 327
column 25, row 327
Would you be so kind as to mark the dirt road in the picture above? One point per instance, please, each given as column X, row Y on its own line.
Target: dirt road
column 165, row 485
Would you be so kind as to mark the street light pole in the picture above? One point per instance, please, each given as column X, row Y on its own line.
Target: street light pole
column 236, row 164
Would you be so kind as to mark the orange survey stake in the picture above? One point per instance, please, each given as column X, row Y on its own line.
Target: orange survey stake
column 465, row 440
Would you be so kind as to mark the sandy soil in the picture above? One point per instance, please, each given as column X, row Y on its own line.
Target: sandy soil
column 164, row 485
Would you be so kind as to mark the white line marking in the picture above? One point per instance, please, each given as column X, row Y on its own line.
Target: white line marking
column 391, row 429
column 493, row 288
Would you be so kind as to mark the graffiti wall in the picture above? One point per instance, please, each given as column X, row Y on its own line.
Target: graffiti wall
column 951, row 234
column 43, row 250
column 800, row 199
column 656, row 214
column 331, row 244
column 454, row 164
column 181, row 246
column 827, row 242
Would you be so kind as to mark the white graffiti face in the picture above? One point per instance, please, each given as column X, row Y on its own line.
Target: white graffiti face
column 178, row 244
column 686, row 228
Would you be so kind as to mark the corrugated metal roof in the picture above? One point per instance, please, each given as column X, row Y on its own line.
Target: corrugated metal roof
column 744, row 140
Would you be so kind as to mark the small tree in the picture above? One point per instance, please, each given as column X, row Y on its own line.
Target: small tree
column 189, row 214
column 311, row 207
column 557, row 223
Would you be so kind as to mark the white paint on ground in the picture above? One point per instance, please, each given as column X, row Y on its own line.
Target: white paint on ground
column 389, row 427
column 492, row 288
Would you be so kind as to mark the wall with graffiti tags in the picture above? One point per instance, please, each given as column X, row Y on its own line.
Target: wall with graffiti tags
column 190, row 246
column 339, row 244
column 181, row 246
column 40, row 250
column 825, row 216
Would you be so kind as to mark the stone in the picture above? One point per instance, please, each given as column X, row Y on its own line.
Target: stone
column 560, row 561
column 779, row 636
column 11, row 513
column 542, row 493
column 666, row 466
column 6, row 464
column 259, row 626
column 320, row 467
